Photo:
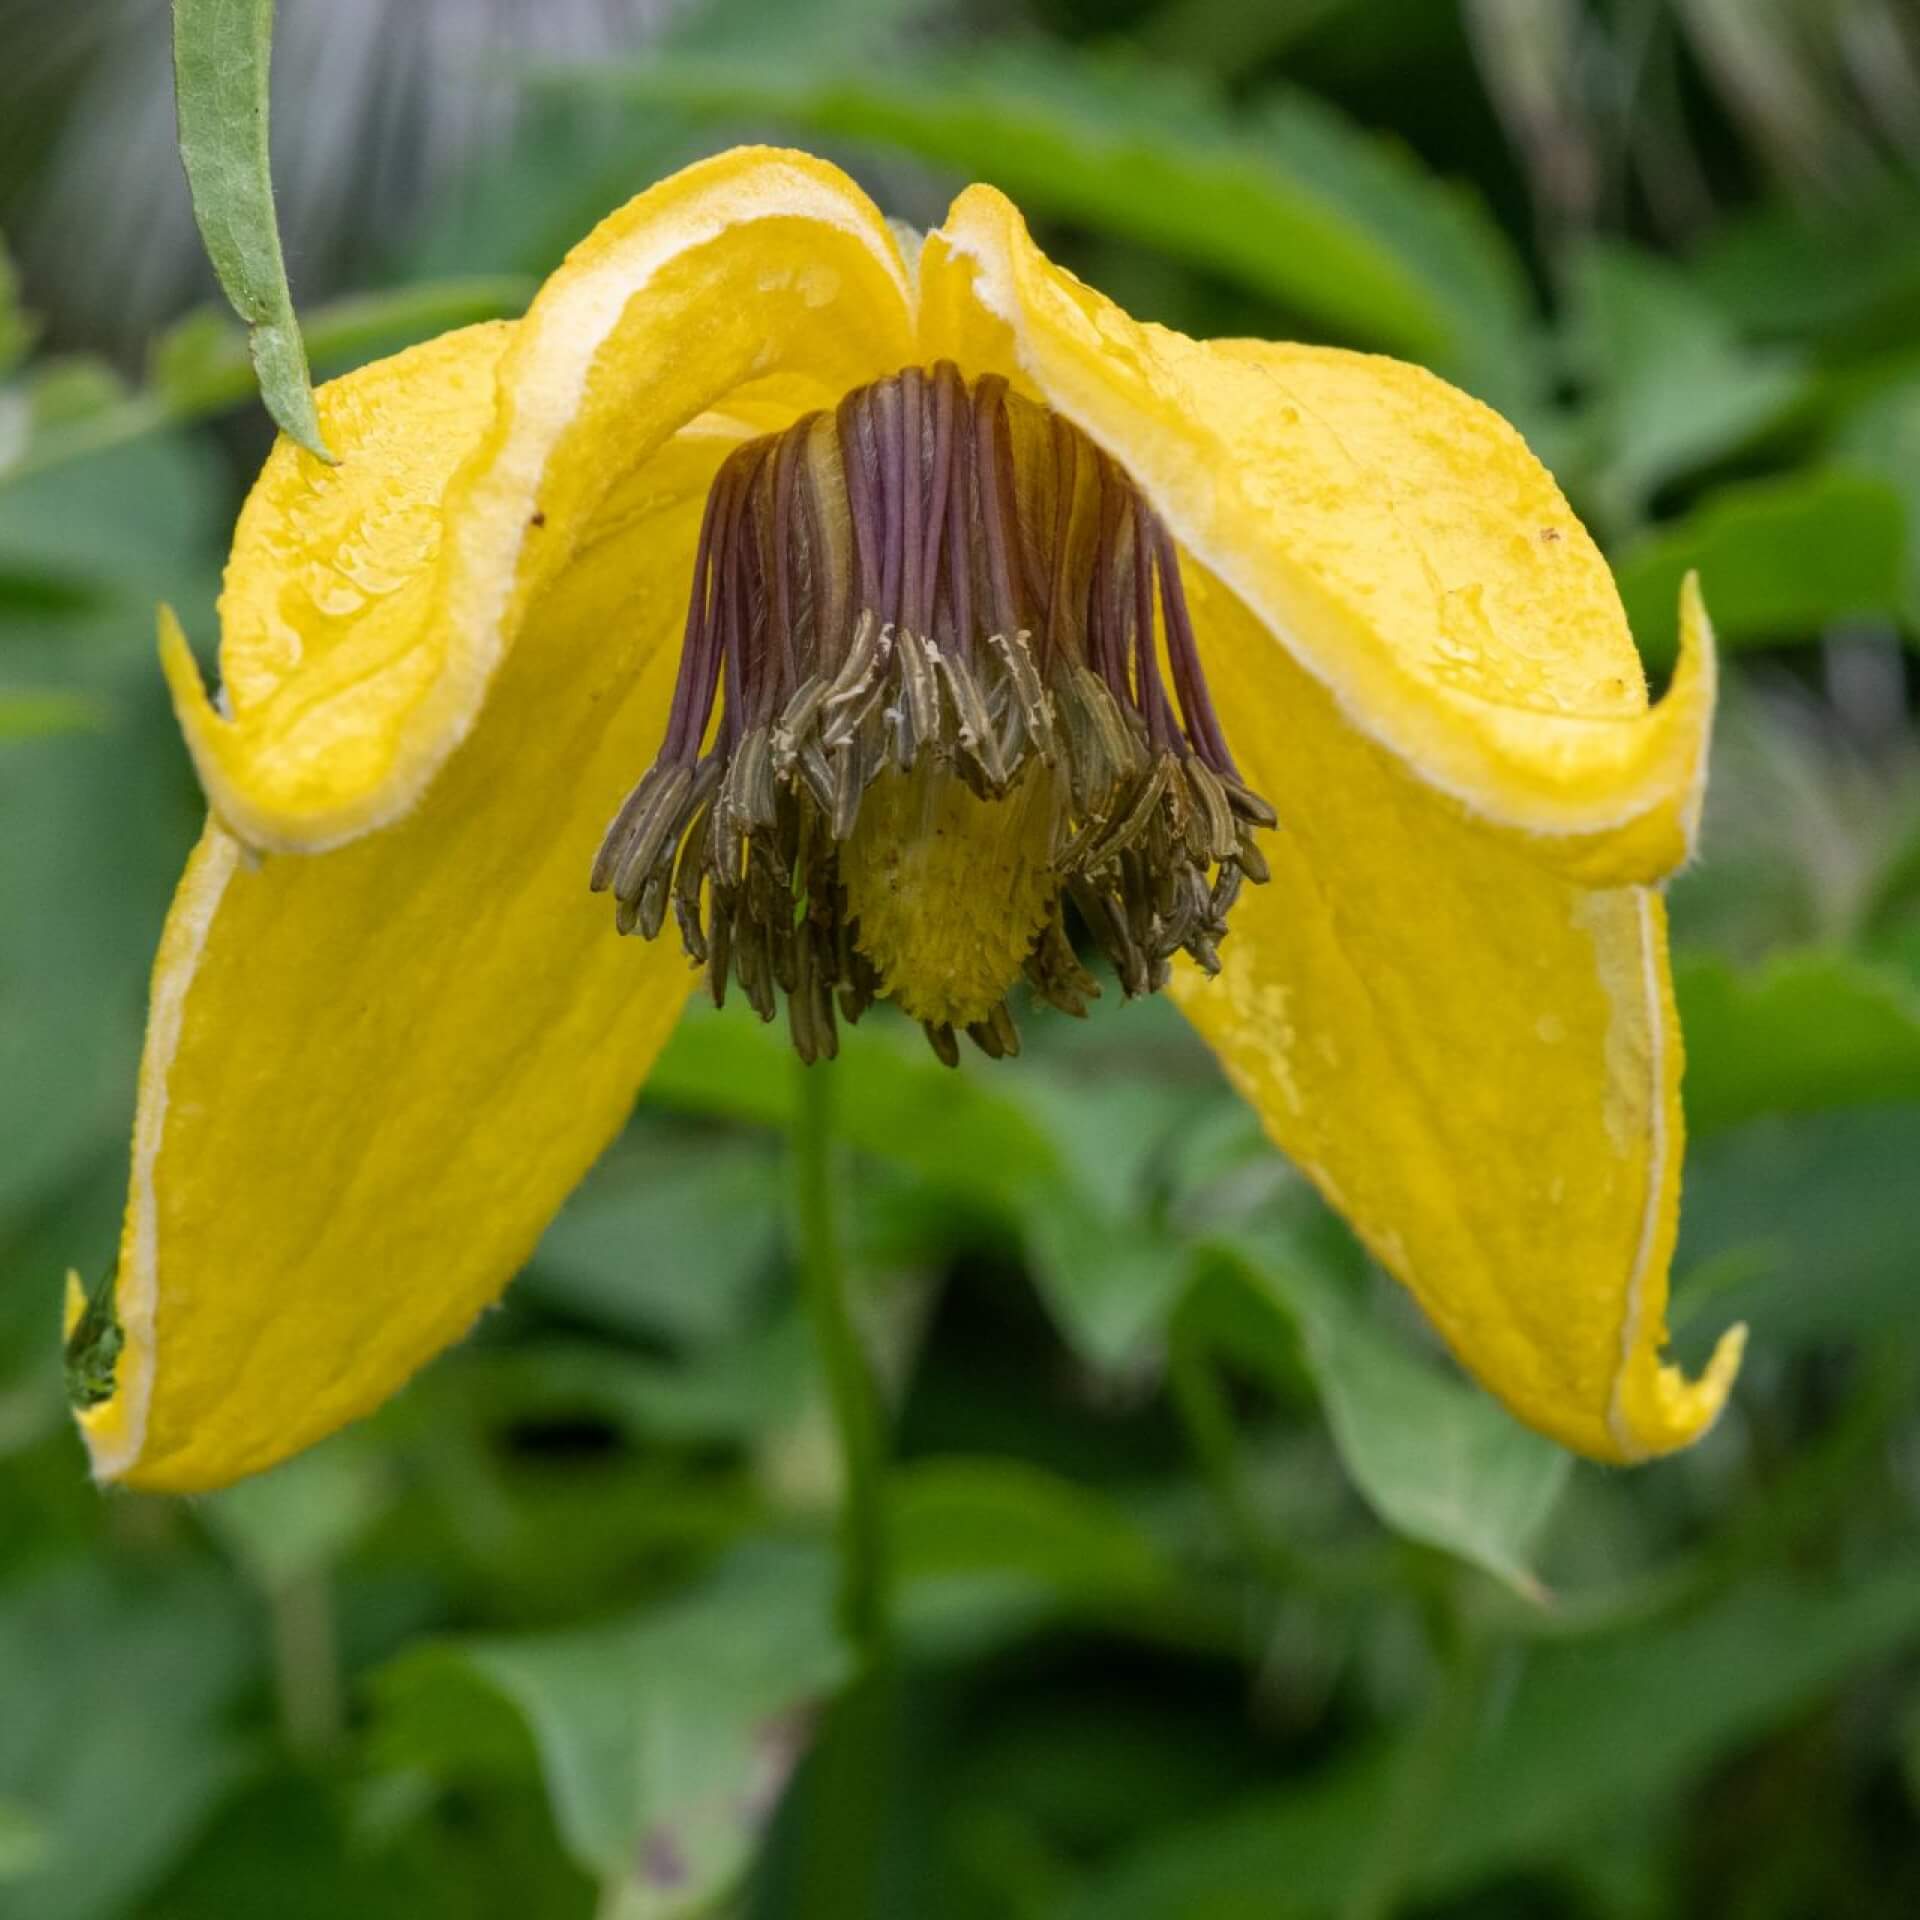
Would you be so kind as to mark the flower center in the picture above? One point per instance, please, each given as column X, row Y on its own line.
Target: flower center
column 954, row 676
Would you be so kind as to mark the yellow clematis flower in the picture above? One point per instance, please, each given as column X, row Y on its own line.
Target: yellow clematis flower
column 390, row 1028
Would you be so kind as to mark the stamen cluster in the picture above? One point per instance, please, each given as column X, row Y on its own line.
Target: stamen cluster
column 937, row 627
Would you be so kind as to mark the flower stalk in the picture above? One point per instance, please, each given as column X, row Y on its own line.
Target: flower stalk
column 852, row 1395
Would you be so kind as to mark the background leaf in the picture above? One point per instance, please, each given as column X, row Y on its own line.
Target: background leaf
column 1812, row 1030
column 1775, row 557
column 1802, row 1231
column 663, row 1743
column 16, row 330
column 1648, row 1713
column 979, row 1141
column 1436, row 1460
column 111, row 1745
column 1671, row 384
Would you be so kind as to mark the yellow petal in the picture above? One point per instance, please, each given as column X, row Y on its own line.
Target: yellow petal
column 1395, row 536
column 372, row 1073
column 368, row 605
column 1475, row 1058
column 1451, row 1007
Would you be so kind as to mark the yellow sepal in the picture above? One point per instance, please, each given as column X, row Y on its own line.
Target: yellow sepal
column 1475, row 1057
column 379, row 1056
column 1451, row 1006
column 1393, row 535
column 368, row 605
column 371, row 1076
column 390, row 1028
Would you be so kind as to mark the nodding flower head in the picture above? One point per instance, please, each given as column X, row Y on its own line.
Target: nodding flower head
column 962, row 634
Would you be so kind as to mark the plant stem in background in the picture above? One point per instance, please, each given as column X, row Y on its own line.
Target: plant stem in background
column 851, row 1393
column 1201, row 1401
column 306, row 1662
column 1428, row 1757
column 1202, row 1406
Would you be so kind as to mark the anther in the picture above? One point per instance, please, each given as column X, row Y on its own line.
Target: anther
column 938, row 672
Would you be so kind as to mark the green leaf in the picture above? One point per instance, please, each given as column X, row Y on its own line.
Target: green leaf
column 1229, row 35
column 112, row 1741
column 196, row 350
column 135, row 525
column 76, row 1225
column 304, row 1844
column 1670, row 385
column 984, row 1547
column 664, row 1741
column 1436, row 1458
column 1805, row 1229
column 1890, row 917
column 1778, row 560
column 524, row 204
column 92, row 830
column 1782, row 273
column 221, row 53
column 736, row 1390
column 1289, row 200
column 57, row 398
column 301, row 1518
column 28, row 715
column 1882, row 436
column 1582, row 1735
column 670, row 1237
column 1809, row 1030
column 92, row 1348
column 23, row 1842
column 16, row 330
column 975, row 1136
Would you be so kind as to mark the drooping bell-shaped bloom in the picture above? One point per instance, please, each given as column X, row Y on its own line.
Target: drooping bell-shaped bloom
column 880, row 608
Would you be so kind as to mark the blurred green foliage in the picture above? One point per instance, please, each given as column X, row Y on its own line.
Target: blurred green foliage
column 1221, row 1592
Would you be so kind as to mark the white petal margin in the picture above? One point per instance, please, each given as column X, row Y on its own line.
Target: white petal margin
column 116, row 1431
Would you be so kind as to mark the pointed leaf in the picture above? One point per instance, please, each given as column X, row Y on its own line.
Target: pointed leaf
column 664, row 1741
column 1804, row 1229
column 1777, row 560
column 1437, row 1460
column 1809, row 1030
column 1671, row 384
column 221, row 53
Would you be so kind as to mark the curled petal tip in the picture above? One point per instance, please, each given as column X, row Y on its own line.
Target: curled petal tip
column 200, row 720
column 1657, row 1409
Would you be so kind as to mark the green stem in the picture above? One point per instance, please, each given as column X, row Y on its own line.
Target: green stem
column 851, row 1394
column 1201, row 1402
column 306, row 1661
column 1208, row 1420
column 845, row 1810
column 1427, row 1763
